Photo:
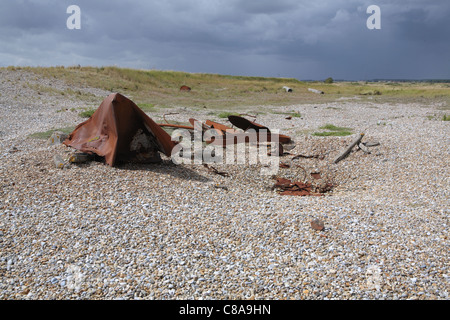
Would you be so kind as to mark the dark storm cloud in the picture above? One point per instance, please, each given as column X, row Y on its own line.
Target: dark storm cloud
column 302, row 39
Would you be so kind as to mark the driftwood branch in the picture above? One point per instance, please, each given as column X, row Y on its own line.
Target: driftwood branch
column 316, row 156
column 349, row 149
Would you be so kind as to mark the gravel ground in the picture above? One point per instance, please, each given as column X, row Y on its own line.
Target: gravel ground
column 166, row 231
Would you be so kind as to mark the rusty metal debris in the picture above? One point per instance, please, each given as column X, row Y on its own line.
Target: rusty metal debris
column 226, row 135
column 168, row 114
column 120, row 131
column 214, row 170
column 185, row 88
column 246, row 124
column 284, row 165
column 316, row 175
column 298, row 188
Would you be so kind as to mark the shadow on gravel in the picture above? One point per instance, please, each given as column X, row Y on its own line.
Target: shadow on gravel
column 166, row 167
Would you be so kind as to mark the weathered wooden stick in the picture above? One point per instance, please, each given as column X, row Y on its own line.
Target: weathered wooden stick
column 349, row 149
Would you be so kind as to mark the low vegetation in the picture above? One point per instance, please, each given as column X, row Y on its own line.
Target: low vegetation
column 225, row 114
column 152, row 89
column 293, row 114
column 332, row 130
column 47, row 134
column 87, row 113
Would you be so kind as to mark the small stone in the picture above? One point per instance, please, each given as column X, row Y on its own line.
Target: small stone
column 58, row 161
column 56, row 138
column 317, row 225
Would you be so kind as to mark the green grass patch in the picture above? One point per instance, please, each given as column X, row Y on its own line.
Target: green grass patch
column 332, row 127
column 446, row 117
column 224, row 92
column 293, row 114
column 225, row 114
column 146, row 106
column 47, row 134
column 333, row 131
column 87, row 113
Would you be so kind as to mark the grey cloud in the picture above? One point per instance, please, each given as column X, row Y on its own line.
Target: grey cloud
column 298, row 38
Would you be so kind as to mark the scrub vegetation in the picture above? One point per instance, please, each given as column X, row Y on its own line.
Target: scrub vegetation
column 332, row 130
column 161, row 89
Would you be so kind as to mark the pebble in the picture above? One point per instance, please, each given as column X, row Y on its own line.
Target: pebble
column 317, row 224
column 162, row 231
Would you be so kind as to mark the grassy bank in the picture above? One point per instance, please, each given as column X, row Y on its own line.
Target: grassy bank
column 160, row 89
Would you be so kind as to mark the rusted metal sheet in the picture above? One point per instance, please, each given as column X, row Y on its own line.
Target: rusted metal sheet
column 205, row 126
column 245, row 137
column 170, row 125
column 245, row 124
column 295, row 188
column 120, row 131
column 220, row 126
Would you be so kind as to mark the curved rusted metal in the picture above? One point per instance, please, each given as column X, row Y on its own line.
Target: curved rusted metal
column 245, row 124
column 120, row 131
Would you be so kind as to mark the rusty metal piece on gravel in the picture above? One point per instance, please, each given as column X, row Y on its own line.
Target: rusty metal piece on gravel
column 192, row 121
column 284, row 165
column 316, row 175
column 206, row 127
column 168, row 114
column 214, row 170
column 296, row 188
column 220, row 126
column 170, row 125
column 246, row 124
column 120, row 131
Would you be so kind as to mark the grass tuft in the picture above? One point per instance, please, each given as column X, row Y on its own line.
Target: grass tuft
column 334, row 131
column 225, row 114
column 47, row 134
column 332, row 127
column 224, row 92
column 87, row 113
column 146, row 106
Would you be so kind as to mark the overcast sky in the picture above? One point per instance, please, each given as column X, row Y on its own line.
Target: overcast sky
column 284, row 38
